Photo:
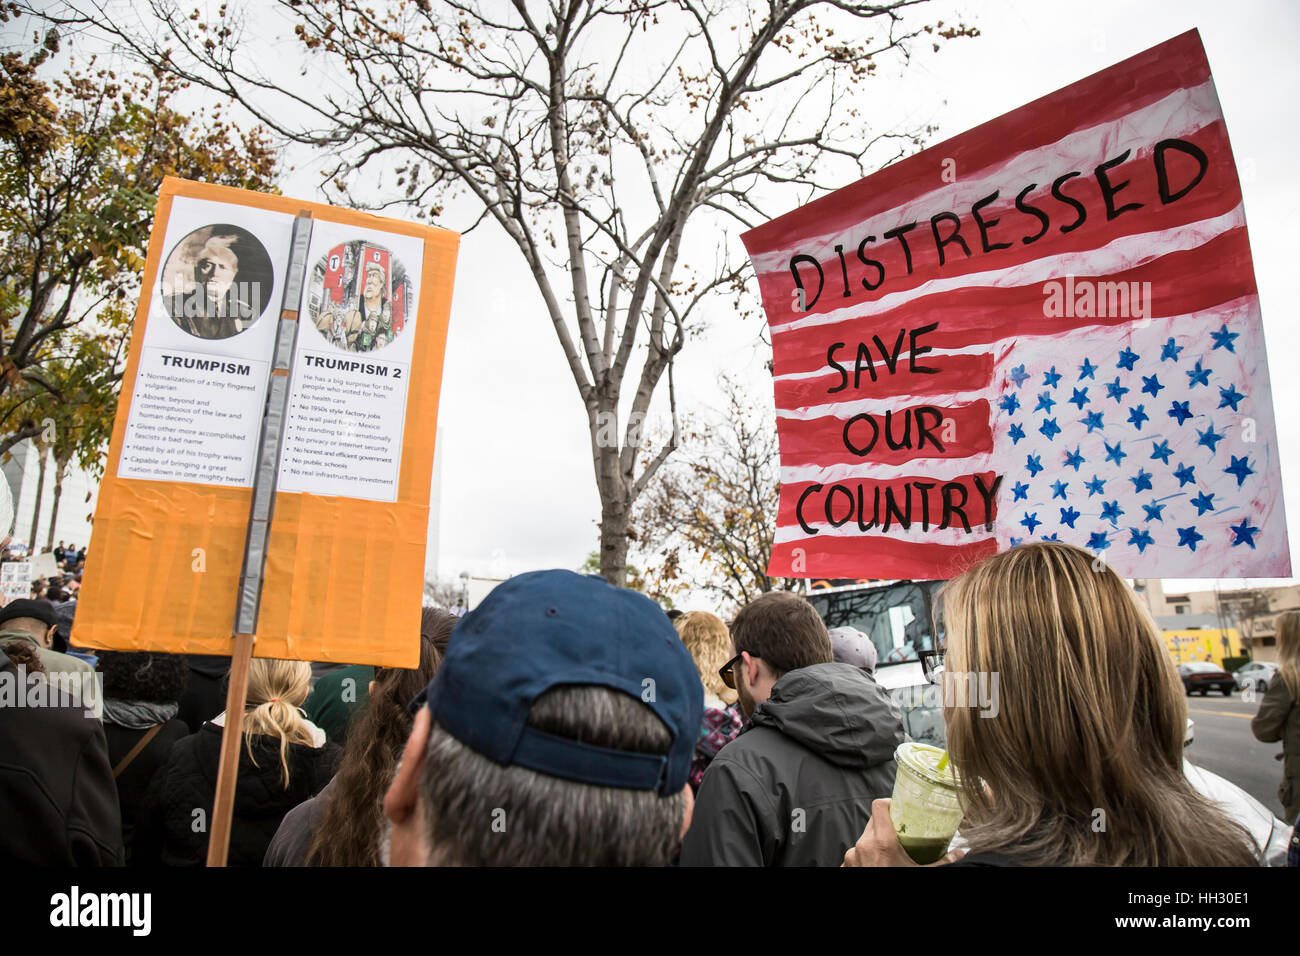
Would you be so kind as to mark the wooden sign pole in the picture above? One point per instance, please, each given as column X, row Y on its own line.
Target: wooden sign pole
column 259, row 527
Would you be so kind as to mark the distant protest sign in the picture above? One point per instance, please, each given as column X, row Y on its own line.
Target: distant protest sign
column 344, row 561
column 15, row 580
column 1045, row 328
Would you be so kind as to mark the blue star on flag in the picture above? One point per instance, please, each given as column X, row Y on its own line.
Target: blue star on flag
column 1140, row 539
column 1137, row 416
column 1019, row 375
column 1069, row 516
column 1188, row 537
column 1009, row 403
column 1087, row 370
column 1098, row 541
column 1016, row 433
column 1058, row 489
column 1170, row 351
column 1180, row 411
column 1160, row 452
column 1203, row 503
column 1034, row 464
column 1114, row 454
column 1031, row 521
column 1050, row 429
column 1110, row 511
column 1244, row 534
column 1126, row 360
column 1185, row 474
column 1198, row 376
column 1223, row 339
column 1073, row 459
column 1080, row 397
column 1229, row 396
column 1239, row 469
column 1020, row 490
column 1151, row 383
column 1045, row 403
column 1092, row 420
column 1142, row 482
column 1096, row 486
column 1209, row 438
column 1155, row 512
column 1050, row 378
column 1115, row 390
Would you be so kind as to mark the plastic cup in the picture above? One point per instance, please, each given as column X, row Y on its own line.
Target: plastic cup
column 925, row 808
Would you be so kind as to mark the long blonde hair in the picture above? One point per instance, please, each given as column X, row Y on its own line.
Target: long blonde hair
column 1081, row 763
column 709, row 641
column 1288, row 650
column 276, row 689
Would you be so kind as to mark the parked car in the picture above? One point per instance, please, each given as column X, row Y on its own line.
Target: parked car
column 1201, row 677
column 1256, row 674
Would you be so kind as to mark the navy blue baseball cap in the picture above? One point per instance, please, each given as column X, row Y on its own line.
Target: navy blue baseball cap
column 544, row 629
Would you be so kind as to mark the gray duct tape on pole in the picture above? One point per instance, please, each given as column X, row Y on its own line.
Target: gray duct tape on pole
column 268, row 453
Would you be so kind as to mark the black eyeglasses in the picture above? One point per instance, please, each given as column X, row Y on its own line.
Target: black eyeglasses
column 726, row 672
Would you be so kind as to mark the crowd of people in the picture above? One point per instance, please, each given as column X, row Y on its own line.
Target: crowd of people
column 564, row 721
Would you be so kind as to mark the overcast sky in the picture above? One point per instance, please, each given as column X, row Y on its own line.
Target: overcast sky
column 517, row 484
column 517, row 487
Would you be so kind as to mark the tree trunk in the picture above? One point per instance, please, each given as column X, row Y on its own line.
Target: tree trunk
column 614, row 509
column 613, row 539
column 43, row 452
column 60, row 472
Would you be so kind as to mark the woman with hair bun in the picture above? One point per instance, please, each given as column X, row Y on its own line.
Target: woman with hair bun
column 285, row 759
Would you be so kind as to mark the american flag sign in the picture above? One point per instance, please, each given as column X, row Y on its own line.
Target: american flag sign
column 1044, row 328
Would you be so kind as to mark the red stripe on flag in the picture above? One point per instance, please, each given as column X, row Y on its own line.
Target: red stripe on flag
column 892, row 437
column 1217, row 193
column 1184, row 282
column 881, row 557
column 968, row 503
column 954, row 373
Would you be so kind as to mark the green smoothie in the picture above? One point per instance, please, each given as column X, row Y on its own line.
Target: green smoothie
column 925, row 808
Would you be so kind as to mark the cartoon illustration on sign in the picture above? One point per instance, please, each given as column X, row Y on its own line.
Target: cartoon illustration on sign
column 359, row 295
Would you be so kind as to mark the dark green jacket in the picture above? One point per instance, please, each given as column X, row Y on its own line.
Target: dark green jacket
column 795, row 787
column 1279, row 719
column 338, row 697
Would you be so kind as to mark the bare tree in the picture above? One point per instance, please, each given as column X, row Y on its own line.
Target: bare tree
column 592, row 132
column 710, row 514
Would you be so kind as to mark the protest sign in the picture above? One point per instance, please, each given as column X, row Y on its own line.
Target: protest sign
column 344, row 555
column 15, row 580
column 1044, row 328
column 44, row 565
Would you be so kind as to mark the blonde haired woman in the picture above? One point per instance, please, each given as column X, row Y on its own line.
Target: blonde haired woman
column 1082, row 762
column 707, row 638
column 284, row 761
column 1279, row 712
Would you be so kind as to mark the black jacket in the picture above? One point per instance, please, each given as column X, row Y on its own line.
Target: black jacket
column 205, row 693
column 795, row 788
column 58, row 804
column 174, row 821
column 134, row 779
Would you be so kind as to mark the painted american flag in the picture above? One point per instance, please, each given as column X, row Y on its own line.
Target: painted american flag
column 1046, row 327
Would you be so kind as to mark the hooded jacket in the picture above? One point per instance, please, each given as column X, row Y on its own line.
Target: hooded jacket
column 795, row 787
column 1279, row 720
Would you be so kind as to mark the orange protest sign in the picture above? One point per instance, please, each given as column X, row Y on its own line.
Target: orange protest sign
column 344, row 560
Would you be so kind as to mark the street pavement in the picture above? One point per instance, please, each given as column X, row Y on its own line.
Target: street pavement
column 1225, row 745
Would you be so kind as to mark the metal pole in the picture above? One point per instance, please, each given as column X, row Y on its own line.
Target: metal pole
column 259, row 528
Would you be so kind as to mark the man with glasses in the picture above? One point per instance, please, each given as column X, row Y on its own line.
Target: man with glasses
column 795, row 787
